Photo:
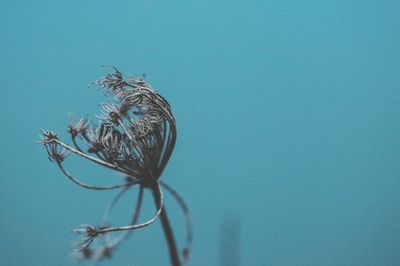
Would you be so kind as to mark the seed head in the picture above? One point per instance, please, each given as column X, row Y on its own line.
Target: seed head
column 135, row 136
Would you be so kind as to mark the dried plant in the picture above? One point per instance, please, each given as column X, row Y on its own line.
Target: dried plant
column 135, row 137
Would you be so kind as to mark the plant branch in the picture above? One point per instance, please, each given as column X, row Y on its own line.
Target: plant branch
column 169, row 235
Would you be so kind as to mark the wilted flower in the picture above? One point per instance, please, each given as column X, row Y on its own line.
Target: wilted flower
column 77, row 128
column 54, row 150
column 111, row 114
column 135, row 137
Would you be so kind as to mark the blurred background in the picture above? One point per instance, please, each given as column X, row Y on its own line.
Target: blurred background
column 288, row 144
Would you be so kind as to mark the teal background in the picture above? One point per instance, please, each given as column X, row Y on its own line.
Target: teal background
column 288, row 126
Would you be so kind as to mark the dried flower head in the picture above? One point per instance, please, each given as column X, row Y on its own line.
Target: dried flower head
column 54, row 151
column 135, row 136
column 77, row 128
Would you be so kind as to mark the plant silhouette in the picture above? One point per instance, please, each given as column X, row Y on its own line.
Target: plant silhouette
column 135, row 137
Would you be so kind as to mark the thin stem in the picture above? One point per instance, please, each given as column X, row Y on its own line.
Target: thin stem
column 169, row 235
column 139, row 201
column 84, row 155
column 135, row 218
column 112, row 203
column 188, row 219
column 76, row 181
column 73, row 138
column 159, row 204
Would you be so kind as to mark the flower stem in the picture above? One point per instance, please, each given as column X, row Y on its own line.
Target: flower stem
column 169, row 235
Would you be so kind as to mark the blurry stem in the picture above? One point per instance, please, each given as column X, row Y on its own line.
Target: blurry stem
column 169, row 235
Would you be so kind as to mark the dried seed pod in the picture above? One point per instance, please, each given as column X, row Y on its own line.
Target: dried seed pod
column 135, row 136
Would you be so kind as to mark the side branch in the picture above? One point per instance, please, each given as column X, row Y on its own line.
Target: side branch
column 169, row 235
column 188, row 219
column 76, row 181
column 84, row 155
column 159, row 203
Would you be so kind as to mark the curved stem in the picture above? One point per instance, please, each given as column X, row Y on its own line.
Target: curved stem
column 159, row 203
column 188, row 219
column 76, row 181
column 169, row 235
column 84, row 155
column 112, row 204
column 134, row 219
column 73, row 138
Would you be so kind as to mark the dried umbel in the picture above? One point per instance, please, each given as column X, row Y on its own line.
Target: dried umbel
column 135, row 136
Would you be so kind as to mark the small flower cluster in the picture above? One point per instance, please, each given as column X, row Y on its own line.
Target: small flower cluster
column 135, row 136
